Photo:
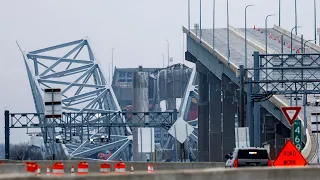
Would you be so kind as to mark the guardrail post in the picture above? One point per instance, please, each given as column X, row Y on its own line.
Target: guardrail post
column 6, row 135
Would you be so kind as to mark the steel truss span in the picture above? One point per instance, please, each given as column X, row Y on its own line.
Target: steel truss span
column 74, row 68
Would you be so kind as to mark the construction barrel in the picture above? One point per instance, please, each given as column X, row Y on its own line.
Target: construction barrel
column 83, row 168
column 105, row 168
column 120, row 167
column 58, row 169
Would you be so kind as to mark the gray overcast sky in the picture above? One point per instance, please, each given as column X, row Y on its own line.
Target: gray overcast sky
column 136, row 28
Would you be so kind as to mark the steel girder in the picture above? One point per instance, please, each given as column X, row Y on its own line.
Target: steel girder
column 84, row 88
column 190, row 92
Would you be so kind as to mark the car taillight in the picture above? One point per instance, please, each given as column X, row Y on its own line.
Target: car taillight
column 235, row 163
column 269, row 162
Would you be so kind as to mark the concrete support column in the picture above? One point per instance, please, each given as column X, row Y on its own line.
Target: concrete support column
column 215, row 136
column 229, row 109
column 140, row 104
column 203, row 118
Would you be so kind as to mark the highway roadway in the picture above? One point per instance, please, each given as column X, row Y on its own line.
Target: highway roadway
column 276, row 46
column 237, row 53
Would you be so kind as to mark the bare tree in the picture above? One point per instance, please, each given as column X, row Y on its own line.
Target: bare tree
column 25, row 152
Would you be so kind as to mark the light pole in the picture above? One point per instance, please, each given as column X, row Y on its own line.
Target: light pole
column 315, row 21
column 228, row 38
column 168, row 46
column 266, row 24
column 295, row 27
column 213, row 22
column 304, row 45
column 295, row 13
column 279, row 12
column 162, row 60
column 189, row 16
column 200, row 23
column 245, row 32
column 112, row 63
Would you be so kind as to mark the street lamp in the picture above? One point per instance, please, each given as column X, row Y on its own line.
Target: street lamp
column 200, row 24
column 162, row 60
column 279, row 12
column 245, row 32
column 213, row 22
column 295, row 27
column 228, row 37
column 304, row 45
column 266, row 24
column 112, row 63
column 189, row 16
column 168, row 51
column 295, row 12
column 315, row 21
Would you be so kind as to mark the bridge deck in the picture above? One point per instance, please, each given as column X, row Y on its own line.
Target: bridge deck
column 275, row 46
column 237, row 54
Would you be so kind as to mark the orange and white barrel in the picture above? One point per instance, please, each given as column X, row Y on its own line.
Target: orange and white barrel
column 83, row 168
column 31, row 168
column 105, row 168
column 120, row 167
column 58, row 169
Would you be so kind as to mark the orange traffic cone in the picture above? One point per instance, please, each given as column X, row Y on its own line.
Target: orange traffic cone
column 38, row 171
column 149, row 168
column 270, row 35
column 72, row 170
column 48, row 170
column 258, row 29
column 279, row 41
column 131, row 169
column 288, row 45
column 254, row 26
column 298, row 51
column 152, row 170
column 274, row 38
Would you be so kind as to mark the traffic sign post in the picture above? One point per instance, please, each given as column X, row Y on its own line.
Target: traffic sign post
column 291, row 113
column 290, row 156
column 297, row 134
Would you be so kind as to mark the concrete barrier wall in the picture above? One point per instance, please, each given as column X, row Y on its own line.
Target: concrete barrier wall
column 305, row 173
column 94, row 166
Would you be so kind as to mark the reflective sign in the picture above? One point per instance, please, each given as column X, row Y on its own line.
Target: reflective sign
column 290, row 156
column 291, row 113
column 297, row 134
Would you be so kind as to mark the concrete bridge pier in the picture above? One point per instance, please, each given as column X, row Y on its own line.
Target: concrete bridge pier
column 217, row 108
column 229, row 110
column 215, row 130
column 203, row 113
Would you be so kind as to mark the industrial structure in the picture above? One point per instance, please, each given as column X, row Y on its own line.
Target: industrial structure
column 216, row 98
column 94, row 124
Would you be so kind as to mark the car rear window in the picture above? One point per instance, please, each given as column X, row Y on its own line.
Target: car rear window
column 252, row 154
